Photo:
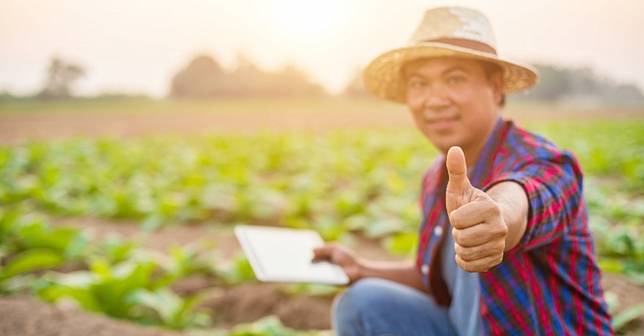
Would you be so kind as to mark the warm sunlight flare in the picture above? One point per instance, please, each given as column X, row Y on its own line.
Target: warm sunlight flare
column 137, row 46
column 309, row 21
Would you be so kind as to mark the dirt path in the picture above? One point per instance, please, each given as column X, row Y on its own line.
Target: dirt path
column 235, row 117
column 59, row 120
column 27, row 316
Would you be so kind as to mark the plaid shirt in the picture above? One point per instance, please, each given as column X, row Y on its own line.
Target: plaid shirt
column 548, row 284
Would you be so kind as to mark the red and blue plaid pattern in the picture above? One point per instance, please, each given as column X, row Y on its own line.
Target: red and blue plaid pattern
column 549, row 284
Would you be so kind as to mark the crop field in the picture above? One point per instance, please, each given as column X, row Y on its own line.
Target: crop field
column 125, row 209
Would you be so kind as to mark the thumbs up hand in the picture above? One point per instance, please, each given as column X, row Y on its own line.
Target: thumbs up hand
column 478, row 227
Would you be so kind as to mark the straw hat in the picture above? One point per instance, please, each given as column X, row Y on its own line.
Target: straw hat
column 444, row 31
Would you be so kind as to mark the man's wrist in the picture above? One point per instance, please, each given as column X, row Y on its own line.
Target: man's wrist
column 363, row 269
column 506, row 218
column 513, row 205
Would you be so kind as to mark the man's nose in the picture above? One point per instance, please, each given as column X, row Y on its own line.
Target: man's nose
column 436, row 100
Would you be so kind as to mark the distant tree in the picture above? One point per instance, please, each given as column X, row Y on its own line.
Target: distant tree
column 247, row 79
column 200, row 78
column 355, row 87
column 204, row 78
column 559, row 84
column 61, row 77
column 553, row 83
column 288, row 81
column 292, row 81
column 6, row 96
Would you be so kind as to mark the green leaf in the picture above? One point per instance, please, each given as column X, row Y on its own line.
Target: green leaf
column 311, row 289
column 403, row 244
column 238, row 271
column 172, row 310
column 31, row 260
column 622, row 319
column 611, row 265
column 82, row 296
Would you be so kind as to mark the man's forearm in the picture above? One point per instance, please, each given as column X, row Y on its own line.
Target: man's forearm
column 513, row 202
column 403, row 272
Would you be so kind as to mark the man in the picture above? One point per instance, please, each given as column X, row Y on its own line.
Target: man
column 504, row 245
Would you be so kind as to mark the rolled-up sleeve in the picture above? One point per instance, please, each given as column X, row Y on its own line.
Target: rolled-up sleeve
column 554, row 190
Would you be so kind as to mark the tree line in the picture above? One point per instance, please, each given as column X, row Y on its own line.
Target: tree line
column 580, row 85
column 203, row 77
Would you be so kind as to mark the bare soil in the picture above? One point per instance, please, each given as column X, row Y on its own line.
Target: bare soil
column 26, row 316
column 49, row 122
column 59, row 120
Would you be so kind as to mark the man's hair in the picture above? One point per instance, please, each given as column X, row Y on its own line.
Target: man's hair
column 490, row 70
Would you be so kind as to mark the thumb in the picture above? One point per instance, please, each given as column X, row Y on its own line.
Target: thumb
column 324, row 252
column 458, row 183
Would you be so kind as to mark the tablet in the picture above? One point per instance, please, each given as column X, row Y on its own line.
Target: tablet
column 284, row 255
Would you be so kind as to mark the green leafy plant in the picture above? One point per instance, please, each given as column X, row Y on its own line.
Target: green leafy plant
column 29, row 245
column 621, row 320
column 134, row 289
column 237, row 271
column 270, row 326
column 339, row 183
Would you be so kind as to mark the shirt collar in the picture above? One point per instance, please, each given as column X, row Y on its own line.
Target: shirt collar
column 485, row 162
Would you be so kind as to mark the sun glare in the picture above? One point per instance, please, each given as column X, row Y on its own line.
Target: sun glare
column 315, row 20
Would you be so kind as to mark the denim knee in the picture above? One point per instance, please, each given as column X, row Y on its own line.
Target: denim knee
column 380, row 307
column 352, row 308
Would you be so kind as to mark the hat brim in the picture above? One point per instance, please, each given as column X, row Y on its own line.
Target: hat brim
column 383, row 75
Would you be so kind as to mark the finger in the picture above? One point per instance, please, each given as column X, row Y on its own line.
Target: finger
column 324, row 252
column 457, row 170
column 480, row 265
column 480, row 251
column 474, row 213
column 479, row 234
column 457, row 183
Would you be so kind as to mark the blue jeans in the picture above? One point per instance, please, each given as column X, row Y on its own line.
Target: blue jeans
column 381, row 307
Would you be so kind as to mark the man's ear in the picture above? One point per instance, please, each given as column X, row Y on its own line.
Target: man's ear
column 496, row 81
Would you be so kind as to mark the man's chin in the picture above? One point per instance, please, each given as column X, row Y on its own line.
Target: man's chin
column 443, row 144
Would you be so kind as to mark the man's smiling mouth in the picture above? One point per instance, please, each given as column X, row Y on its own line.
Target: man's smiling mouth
column 432, row 120
column 442, row 123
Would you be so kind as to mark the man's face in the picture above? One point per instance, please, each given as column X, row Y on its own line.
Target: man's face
column 453, row 101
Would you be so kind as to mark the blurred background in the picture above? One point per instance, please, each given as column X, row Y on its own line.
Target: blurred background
column 135, row 134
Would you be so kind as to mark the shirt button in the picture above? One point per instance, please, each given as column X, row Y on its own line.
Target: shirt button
column 425, row 269
column 438, row 231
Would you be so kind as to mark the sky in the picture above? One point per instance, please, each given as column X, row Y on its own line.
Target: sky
column 136, row 46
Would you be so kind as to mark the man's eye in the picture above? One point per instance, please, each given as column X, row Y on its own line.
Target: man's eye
column 455, row 80
column 414, row 84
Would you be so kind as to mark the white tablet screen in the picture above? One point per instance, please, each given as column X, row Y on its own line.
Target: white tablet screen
column 284, row 255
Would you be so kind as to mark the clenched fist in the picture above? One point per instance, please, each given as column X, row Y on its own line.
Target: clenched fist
column 478, row 226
